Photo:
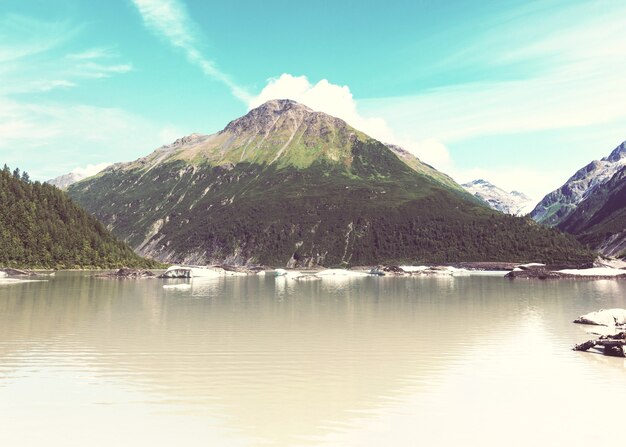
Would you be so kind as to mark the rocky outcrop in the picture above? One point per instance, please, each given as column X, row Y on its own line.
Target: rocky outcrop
column 604, row 317
column 559, row 204
column 600, row 219
column 536, row 273
column 126, row 273
column 611, row 345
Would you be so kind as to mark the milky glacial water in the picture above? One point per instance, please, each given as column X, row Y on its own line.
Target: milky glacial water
column 264, row 361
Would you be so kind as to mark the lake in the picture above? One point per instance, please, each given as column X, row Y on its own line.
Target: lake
column 264, row 361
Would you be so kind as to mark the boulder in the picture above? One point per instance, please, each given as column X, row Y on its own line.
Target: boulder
column 127, row 273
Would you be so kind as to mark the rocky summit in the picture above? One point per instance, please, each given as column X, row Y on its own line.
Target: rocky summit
column 288, row 186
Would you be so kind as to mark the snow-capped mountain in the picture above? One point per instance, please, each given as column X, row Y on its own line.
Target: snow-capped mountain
column 64, row 181
column 513, row 202
column 559, row 204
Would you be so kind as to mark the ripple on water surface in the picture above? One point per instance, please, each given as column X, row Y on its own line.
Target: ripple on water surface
column 266, row 361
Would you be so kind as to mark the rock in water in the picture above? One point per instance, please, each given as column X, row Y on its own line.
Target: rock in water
column 612, row 345
column 604, row 317
column 128, row 273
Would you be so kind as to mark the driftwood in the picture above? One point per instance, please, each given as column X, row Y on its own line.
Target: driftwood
column 613, row 345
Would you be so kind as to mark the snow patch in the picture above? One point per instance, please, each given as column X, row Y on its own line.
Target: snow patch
column 595, row 271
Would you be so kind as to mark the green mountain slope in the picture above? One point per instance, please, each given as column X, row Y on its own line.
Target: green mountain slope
column 41, row 227
column 284, row 185
column 600, row 219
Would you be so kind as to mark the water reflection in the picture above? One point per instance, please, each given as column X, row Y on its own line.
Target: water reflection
column 274, row 361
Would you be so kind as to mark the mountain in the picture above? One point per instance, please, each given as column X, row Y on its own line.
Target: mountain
column 65, row 180
column 41, row 227
column 599, row 220
column 559, row 204
column 285, row 185
column 513, row 202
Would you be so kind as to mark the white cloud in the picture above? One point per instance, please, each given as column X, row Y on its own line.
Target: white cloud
column 337, row 100
column 96, row 70
column 170, row 19
column 89, row 170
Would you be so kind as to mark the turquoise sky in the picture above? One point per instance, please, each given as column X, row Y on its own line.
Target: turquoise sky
column 520, row 93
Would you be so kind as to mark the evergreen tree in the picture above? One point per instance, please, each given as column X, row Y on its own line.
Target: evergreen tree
column 40, row 226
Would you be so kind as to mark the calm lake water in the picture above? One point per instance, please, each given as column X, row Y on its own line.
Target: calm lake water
column 264, row 361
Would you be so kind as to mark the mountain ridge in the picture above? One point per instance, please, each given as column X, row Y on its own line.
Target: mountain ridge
column 599, row 220
column 558, row 204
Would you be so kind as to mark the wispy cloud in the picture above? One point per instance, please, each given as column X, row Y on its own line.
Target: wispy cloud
column 35, row 128
column 568, row 68
column 93, row 53
column 22, row 37
column 30, row 62
column 169, row 19
column 97, row 70
column 581, row 83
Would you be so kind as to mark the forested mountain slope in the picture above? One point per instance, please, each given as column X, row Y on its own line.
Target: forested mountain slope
column 40, row 226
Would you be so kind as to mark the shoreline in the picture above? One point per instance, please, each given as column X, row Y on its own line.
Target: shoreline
column 601, row 269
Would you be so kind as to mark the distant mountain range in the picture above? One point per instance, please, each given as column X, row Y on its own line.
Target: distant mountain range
column 513, row 202
column 285, row 185
column 591, row 204
column 65, row 180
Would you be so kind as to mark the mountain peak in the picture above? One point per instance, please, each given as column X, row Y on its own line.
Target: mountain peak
column 618, row 153
column 281, row 105
column 479, row 181
column 277, row 114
